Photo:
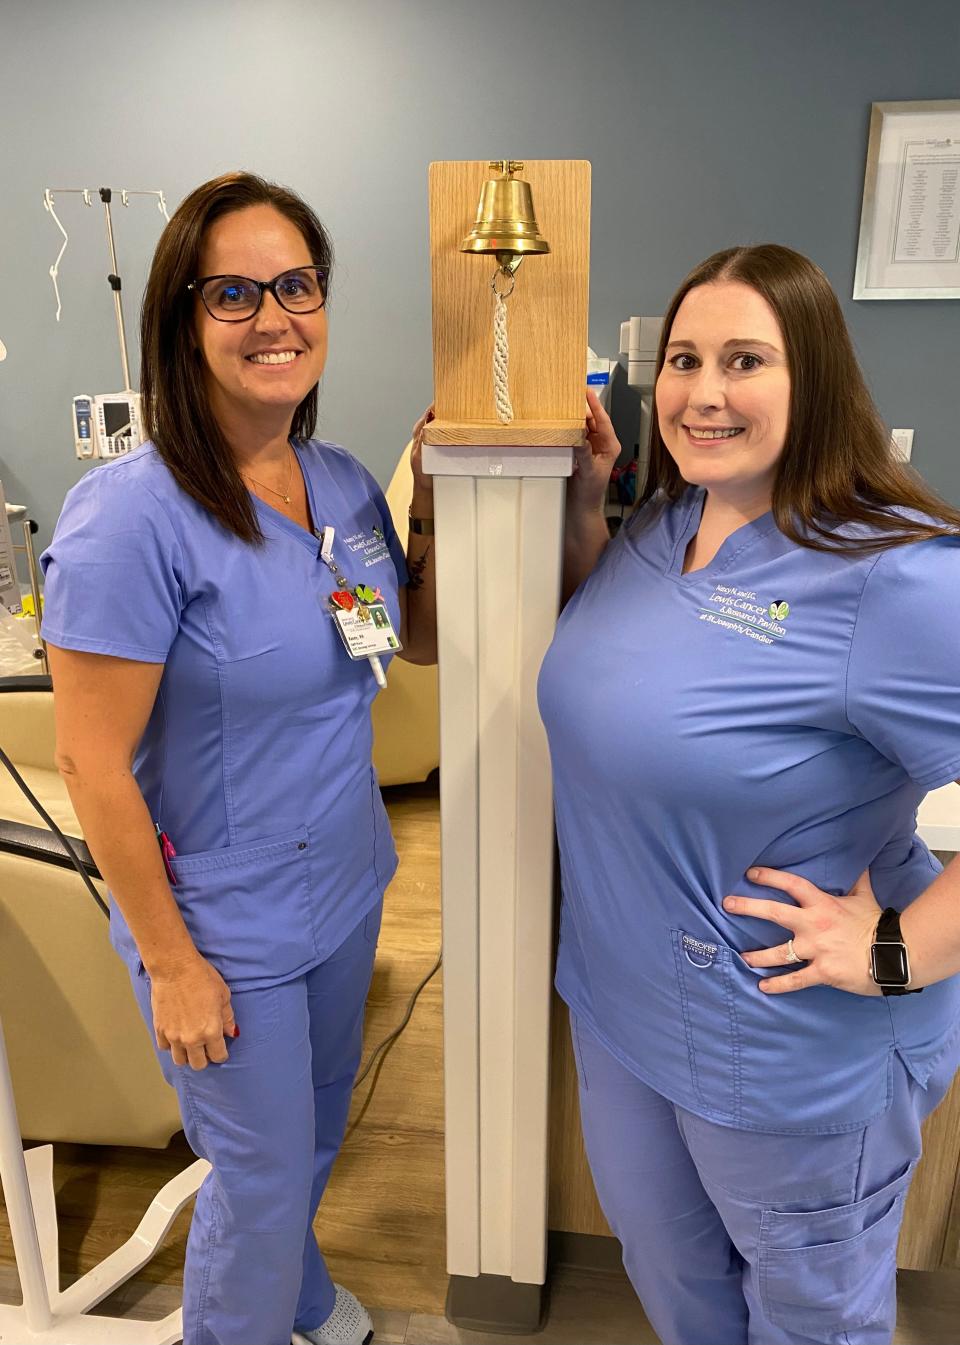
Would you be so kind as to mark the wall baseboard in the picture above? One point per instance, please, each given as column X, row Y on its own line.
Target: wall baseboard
column 586, row 1251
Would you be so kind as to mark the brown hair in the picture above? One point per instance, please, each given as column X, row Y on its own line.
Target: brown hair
column 836, row 466
column 177, row 413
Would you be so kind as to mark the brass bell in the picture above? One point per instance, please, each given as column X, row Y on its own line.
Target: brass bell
column 506, row 223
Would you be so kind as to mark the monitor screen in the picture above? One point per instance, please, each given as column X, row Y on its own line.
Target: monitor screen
column 116, row 418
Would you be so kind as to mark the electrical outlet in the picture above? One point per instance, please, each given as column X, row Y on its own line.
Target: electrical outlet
column 902, row 444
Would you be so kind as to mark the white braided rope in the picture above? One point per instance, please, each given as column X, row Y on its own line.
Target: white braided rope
column 501, row 360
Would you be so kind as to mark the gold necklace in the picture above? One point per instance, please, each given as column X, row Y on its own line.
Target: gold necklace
column 283, row 494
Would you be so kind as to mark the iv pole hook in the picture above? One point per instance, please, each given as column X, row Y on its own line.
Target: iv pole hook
column 55, row 268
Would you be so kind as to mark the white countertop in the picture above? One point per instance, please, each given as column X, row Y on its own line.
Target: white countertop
column 938, row 818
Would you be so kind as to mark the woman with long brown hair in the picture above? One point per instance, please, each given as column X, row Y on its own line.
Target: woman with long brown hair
column 749, row 693
column 209, row 605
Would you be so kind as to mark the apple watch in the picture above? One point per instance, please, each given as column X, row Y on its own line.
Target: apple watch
column 889, row 962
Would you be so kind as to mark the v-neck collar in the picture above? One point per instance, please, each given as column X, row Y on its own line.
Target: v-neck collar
column 739, row 540
column 286, row 525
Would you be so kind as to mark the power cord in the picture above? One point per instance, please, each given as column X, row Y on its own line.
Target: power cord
column 391, row 1037
column 67, row 844
column 382, row 1047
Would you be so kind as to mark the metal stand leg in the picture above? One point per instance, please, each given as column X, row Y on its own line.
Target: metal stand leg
column 47, row 1315
column 29, row 528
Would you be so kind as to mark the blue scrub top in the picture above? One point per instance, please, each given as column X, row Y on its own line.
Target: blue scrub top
column 256, row 760
column 693, row 735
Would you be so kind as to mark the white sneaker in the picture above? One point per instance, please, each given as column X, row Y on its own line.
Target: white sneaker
column 348, row 1324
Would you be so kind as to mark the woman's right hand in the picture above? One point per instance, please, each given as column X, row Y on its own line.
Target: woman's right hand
column 192, row 1014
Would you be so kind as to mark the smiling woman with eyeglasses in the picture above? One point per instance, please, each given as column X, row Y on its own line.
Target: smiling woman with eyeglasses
column 214, row 734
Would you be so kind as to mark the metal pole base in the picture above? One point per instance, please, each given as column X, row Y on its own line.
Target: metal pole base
column 88, row 1330
column 64, row 1318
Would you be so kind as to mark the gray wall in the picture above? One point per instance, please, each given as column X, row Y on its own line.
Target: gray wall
column 707, row 123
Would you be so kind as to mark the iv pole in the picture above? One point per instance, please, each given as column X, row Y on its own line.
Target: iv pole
column 113, row 279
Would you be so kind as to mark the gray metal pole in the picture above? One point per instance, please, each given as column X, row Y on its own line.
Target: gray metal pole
column 34, row 588
column 16, row 1194
column 114, row 279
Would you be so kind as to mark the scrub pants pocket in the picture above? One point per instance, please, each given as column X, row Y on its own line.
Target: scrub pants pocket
column 578, row 1052
column 371, row 924
column 827, row 1271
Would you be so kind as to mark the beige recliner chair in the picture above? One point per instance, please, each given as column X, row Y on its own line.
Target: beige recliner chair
column 406, row 719
column 80, row 1056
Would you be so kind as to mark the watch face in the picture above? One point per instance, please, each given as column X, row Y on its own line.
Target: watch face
column 890, row 965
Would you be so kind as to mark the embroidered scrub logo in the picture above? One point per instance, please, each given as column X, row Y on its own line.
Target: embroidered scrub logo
column 370, row 547
column 698, row 953
column 741, row 611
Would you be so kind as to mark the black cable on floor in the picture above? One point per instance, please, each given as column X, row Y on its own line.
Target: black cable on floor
column 391, row 1037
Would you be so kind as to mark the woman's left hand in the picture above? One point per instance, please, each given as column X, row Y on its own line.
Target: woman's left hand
column 422, row 484
column 830, row 935
column 594, row 458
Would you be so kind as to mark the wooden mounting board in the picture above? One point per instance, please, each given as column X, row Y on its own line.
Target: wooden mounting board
column 547, row 312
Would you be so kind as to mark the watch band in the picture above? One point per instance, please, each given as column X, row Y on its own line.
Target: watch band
column 422, row 527
column 888, row 927
column 888, row 931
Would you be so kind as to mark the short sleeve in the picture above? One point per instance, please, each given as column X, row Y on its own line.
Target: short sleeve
column 389, row 531
column 113, row 572
column 903, row 677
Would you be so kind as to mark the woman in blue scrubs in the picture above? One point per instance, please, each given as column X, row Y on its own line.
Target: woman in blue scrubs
column 215, row 738
column 750, row 691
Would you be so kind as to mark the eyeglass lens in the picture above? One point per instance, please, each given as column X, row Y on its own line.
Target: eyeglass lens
column 236, row 297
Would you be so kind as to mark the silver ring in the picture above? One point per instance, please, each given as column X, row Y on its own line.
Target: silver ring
column 792, row 954
column 502, row 271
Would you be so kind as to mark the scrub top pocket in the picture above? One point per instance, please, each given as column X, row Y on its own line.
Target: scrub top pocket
column 247, row 907
column 830, row 1269
column 708, row 1004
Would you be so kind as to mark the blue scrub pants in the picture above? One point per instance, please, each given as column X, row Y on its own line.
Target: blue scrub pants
column 270, row 1121
column 734, row 1237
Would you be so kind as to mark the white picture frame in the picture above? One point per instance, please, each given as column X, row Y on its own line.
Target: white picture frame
column 909, row 244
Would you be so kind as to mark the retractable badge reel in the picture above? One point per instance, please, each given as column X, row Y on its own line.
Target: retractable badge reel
column 360, row 615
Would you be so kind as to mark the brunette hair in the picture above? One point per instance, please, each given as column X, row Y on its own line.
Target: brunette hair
column 836, row 466
column 177, row 414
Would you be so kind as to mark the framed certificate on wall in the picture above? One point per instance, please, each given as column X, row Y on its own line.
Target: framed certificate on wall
column 910, row 222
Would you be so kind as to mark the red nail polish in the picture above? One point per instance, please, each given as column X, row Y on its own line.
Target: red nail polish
column 236, row 1030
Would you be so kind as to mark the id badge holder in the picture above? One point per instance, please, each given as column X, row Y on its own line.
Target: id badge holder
column 365, row 627
column 360, row 616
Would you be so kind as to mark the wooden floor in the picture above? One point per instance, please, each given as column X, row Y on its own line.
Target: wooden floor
column 586, row 1308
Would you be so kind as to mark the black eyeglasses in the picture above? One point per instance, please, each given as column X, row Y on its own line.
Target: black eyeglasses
column 238, row 298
